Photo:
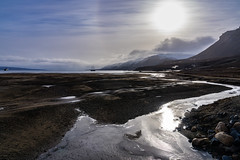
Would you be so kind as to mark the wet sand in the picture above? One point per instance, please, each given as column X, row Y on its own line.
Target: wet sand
column 38, row 109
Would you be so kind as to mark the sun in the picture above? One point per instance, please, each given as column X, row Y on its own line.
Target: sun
column 169, row 16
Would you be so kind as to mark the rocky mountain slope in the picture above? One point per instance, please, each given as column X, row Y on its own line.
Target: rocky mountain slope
column 225, row 53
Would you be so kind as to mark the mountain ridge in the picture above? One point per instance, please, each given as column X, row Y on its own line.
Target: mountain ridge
column 226, row 49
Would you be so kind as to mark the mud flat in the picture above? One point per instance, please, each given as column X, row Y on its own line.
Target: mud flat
column 36, row 110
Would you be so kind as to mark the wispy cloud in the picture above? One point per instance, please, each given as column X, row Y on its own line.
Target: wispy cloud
column 90, row 30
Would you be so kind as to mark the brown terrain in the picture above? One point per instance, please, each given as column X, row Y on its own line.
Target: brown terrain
column 34, row 116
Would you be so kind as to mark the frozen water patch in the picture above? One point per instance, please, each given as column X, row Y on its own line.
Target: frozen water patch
column 78, row 110
column 97, row 93
column 75, row 101
column 68, row 97
column 47, row 86
column 89, row 140
column 158, row 75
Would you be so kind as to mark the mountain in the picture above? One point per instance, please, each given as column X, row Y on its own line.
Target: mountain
column 148, row 61
column 223, row 53
column 227, row 46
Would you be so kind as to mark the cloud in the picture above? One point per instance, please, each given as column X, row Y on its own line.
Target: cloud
column 180, row 45
column 174, row 46
column 44, row 63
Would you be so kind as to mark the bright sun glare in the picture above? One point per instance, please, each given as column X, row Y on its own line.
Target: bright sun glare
column 169, row 16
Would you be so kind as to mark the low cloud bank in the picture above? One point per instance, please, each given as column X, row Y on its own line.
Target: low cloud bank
column 177, row 47
column 44, row 63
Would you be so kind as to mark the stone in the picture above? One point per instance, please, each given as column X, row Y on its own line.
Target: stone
column 236, row 135
column 222, row 114
column 237, row 126
column 235, row 157
column 221, row 127
column 199, row 135
column 194, row 129
column 224, row 157
column 233, row 119
column 133, row 137
column 200, row 142
column 224, row 138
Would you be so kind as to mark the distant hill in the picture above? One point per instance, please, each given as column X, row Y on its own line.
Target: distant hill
column 148, row 61
column 223, row 53
column 18, row 69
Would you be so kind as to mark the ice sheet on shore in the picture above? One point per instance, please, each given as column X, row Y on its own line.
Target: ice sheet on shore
column 89, row 140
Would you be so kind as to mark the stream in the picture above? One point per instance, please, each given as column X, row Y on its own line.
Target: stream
column 158, row 140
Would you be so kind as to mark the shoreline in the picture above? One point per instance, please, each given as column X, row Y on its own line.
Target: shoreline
column 38, row 125
column 202, row 123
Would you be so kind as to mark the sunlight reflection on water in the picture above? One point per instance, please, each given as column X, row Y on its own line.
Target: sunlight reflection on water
column 167, row 119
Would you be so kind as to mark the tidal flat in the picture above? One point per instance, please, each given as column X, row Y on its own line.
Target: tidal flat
column 36, row 110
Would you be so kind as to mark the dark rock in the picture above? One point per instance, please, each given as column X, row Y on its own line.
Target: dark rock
column 224, row 138
column 237, row 126
column 211, row 131
column 235, row 156
column 211, row 136
column 199, row 135
column 232, row 149
column 233, row 119
column 178, row 129
column 221, row 127
column 133, row 137
column 224, row 157
column 236, row 135
column 222, row 114
column 194, row 129
column 200, row 142
column 188, row 127
column 215, row 141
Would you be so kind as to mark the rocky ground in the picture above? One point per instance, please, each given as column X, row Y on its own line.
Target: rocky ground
column 216, row 127
column 36, row 110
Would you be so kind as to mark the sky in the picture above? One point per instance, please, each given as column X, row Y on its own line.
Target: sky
column 77, row 34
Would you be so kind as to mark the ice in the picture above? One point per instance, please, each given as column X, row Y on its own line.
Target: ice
column 90, row 140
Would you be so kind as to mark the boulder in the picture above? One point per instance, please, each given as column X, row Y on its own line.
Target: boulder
column 237, row 126
column 221, row 127
column 200, row 142
column 224, row 138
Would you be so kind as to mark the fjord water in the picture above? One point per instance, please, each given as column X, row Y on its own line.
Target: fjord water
column 90, row 140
